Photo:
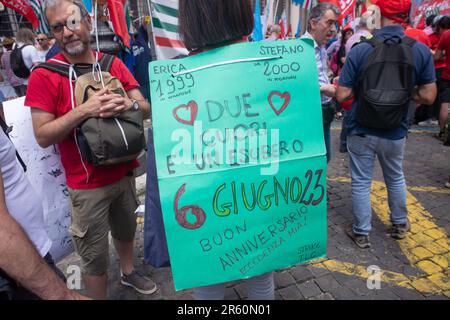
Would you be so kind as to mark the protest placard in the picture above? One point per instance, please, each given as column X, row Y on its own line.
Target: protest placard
column 241, row 160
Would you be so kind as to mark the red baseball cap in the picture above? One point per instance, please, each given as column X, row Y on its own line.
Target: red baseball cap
column 396, row 10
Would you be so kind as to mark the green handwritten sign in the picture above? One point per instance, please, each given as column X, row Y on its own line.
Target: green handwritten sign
column 241, row 160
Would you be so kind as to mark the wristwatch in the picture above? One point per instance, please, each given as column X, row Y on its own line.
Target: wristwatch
column 134, row 105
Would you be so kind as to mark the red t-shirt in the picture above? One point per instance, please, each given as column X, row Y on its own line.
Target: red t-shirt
column 418, row 35
column 444, row 44
column 434, row 39
column 50, row 92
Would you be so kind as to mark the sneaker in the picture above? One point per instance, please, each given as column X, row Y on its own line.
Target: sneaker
column 428, row 123
column 360, row 240
column 399, row 231
column 439, row 136
column 139, row 282
column 447, row 185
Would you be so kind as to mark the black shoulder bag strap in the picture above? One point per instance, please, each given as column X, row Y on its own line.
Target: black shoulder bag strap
column 106, row 62
column 7, row 130
column 408, row 41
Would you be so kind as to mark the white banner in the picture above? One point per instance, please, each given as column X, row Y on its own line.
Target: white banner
column 46, row 175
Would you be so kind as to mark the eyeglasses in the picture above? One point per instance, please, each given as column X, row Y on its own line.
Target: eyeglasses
column 40, row 40
column 71, row 24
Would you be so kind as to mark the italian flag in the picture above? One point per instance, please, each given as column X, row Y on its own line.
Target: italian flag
column 165, row 29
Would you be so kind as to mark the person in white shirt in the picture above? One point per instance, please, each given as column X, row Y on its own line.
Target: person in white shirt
column 24, row 243
column 42, row 46
column 25, row 40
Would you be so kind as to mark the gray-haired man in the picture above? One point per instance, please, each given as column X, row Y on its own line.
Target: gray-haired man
column 103, row 197
column 321, row 28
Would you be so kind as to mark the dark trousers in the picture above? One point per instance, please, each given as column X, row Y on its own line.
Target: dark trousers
column 328, row 111
column 343, row 144
column 435, row 108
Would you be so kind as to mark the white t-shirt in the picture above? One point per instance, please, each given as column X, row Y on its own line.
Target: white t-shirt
column 22, row 202
column 41, row 55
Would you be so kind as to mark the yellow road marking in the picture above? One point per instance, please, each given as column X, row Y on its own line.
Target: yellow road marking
column 426, row 247
column 413, row 188
column 419, row 247
column 430, row 189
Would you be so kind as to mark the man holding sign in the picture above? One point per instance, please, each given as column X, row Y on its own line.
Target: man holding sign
column 239, row 151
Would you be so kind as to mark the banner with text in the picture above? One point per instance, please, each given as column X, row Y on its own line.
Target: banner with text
column 45, row 173
column 241, row 160
column 422, row 9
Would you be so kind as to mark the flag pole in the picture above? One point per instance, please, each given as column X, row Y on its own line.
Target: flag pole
column 275, row 12
column 151, row 38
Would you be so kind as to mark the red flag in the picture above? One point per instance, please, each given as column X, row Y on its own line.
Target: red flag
column 346, row 7
column 283, row 32
column 119, row 22
column 289, row 32
column 23, row 7
column 363, row 7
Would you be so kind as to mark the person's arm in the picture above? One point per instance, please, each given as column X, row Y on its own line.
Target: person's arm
column 144, row 105
column 21, row 261
column 343, row 93
column 438, row 54
column 425, row 94
column 329, row 90
column 349, row 75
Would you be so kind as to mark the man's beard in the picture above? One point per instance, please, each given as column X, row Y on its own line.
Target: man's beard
column 77, row 50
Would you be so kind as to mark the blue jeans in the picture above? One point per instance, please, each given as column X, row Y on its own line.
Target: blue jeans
column 362, row 151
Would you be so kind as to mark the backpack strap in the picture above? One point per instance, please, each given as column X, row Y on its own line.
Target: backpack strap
column 55, row 67
column 7, row 130
column 106, row 62
column 408, row 41
column 374, row 41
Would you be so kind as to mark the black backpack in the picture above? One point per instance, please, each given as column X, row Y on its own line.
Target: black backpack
column 17, row 64
column 386, row 83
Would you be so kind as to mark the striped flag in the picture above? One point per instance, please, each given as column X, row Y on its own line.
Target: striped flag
column 165, row 29
column 118, row 20
column 38, row 8
column 305, row 4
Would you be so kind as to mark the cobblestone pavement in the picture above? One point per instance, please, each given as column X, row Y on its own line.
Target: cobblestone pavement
column 414, row 268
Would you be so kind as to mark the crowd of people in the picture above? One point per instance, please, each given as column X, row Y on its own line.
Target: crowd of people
column 35, row 49
column 103, row 197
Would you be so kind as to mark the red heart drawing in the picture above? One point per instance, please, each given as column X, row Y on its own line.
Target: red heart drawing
column 285, row 96
column 192, row 107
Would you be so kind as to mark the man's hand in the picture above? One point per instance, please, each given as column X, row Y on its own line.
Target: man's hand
column 104, row 104
column 328, row 90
